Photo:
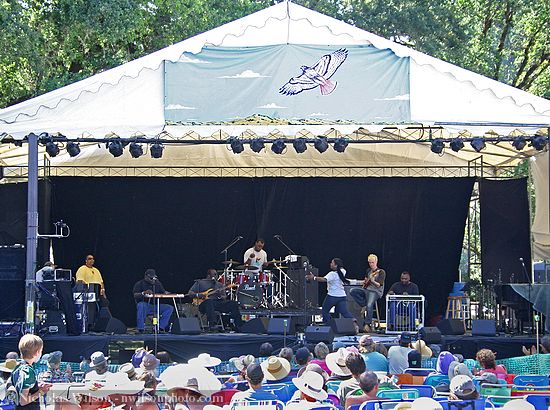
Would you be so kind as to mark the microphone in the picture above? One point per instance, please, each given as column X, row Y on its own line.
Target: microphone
column 277, row 236
column 521, row 260
column 239, row 237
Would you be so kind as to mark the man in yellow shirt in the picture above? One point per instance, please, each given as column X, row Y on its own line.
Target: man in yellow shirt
column 89, row 274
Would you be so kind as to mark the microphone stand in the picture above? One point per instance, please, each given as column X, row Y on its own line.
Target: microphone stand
column 278, row 237
column 224, row 252
column 530, row 286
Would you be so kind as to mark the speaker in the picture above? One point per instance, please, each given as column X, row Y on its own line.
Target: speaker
column 53, row 323
column 186, row 326
column 105, row 322
column 280, row 326
column 298, row 288
column 430, row 335
column 451, row 327
column 484, row 327
column 12, row 283
column 316, row 334
column 343, row 326
column 256, row 326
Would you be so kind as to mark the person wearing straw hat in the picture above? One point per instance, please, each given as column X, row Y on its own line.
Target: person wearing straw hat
column 310, row 384
column 205, row 360
column 422, row 403
column 254, row 376
column 100, row 367
column 336, row 362
column 356, row 366
column 424, row 350
column 241, row 363
column 276, row 369
column 6, row 368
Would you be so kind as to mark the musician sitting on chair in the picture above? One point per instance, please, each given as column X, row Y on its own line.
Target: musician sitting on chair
column 373, row 289
column 150, row 285
column 404, row 286
column 215, row 301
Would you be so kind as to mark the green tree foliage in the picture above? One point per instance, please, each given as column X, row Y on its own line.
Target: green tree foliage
column 45, row 44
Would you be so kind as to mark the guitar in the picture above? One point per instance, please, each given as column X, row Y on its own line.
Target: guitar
column 368, row 279
column 202, row 296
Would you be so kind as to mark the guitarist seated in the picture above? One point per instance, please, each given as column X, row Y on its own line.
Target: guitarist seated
column 145, row 305
column 210, row 294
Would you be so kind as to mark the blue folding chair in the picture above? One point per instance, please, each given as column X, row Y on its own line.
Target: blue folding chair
column 423, row 390
column 531, row 380
column 436, row 380
column 258, row 405
column 399, row 394
column 540, row 401
column 381, row 404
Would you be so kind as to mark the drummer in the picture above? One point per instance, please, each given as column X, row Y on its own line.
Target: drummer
column 255, row 258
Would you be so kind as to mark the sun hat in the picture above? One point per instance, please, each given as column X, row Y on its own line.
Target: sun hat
column 191, row 377
column 149, row 362
column 53, row 357
column 205, row 360
column 8, row 365
column 275, row 368
column 314, row 367
column 311, row 384
column 242, row 362
column 426, row 403
column 97, row 359
column 518, row 404
column 116, row 383
column 463, row 387
column 128, row 369
column 336, row 362
column 424, row 350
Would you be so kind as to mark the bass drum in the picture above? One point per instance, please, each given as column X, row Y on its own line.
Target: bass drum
column 250, row 295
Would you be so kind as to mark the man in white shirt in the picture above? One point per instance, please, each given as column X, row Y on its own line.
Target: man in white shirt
column 256, row 256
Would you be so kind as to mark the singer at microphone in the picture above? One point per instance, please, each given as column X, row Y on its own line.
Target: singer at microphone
column 256, row 256
column 144, row 290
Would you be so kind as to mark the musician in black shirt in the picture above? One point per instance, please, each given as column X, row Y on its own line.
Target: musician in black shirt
column 215, row 301
column 404, row 286
column 150, row 285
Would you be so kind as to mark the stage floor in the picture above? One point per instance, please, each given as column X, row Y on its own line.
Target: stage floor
column 228, row 345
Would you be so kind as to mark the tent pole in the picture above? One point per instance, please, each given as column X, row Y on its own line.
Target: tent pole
column 32, row 231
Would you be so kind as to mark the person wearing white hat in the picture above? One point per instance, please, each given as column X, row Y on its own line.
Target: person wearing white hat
column 336, row 362
column 424, row 350
column 518, row 404
column 422, row 403
column 311, row 387
column 276, row 369
column 205, row 360
column 100, row 367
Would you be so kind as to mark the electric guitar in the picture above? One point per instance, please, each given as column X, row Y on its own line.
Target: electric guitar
column 200, row 297
column 368, row 279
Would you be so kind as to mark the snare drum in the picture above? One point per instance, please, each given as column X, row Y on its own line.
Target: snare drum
column 241, row 278
column 265, row 277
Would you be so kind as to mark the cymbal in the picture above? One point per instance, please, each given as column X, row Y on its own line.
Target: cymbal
column 230, row 262
column 244, row 267
column 277, row 261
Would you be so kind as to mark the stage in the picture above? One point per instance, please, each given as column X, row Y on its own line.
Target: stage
column 227, row 345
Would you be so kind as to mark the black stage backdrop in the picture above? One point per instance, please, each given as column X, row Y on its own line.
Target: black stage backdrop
column 179, row 226
column 505, row 234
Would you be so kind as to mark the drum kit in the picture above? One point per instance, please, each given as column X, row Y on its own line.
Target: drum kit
column 257, row 288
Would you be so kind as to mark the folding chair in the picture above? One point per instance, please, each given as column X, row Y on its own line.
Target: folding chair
column 423, row 390
column 399, row 394
column 531, row 380
column 258, row 405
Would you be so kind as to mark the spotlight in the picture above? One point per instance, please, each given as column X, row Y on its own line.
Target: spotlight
column 73, row 148
column 115, row 148
column 278, row 146
column 321, row 144
column 519, row 143
column 456, row 144
column 52, row 148
column 340, row 144
column 136, row 150
column 300, row 145
column 538, row 142
column 257, row 144
column 437, row 146
column 156, row 150
column 237, row 145
column 477, row 144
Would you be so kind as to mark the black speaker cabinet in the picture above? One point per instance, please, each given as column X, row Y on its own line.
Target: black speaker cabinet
column 186, row 326
column 343, row 326
column 430, row 335
column 316, row 334
column 484, row 328
column 451, row 327
column 300, row 291
column 12, row 283
column 105, row 322
column 280, row 326
column 53, row 323
column 256, row 326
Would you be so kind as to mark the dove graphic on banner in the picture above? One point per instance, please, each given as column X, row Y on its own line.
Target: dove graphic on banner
column 317, row 76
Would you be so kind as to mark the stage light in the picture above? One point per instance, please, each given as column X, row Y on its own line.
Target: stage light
column 52, row 148
column 156, row 149
column 73, row 149
column 136, row 150
column 115, row 148
column 278, row 146
column 237, row 145
column 538, row 142
column 437, row 146
column 321, row 144
column 257, row 144
column 519, row 143
column 456, row 144
column 300, row 145
column 478, row 144
column 340, row 144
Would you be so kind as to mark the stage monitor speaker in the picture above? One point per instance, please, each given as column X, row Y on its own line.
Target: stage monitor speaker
column 343, row 326
column 256, row 326
column 186, row 326
column 316, row 334
column 451, row 327
column 484, row 328
column 430, row 335
column 280, row 326
column 105, row 322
